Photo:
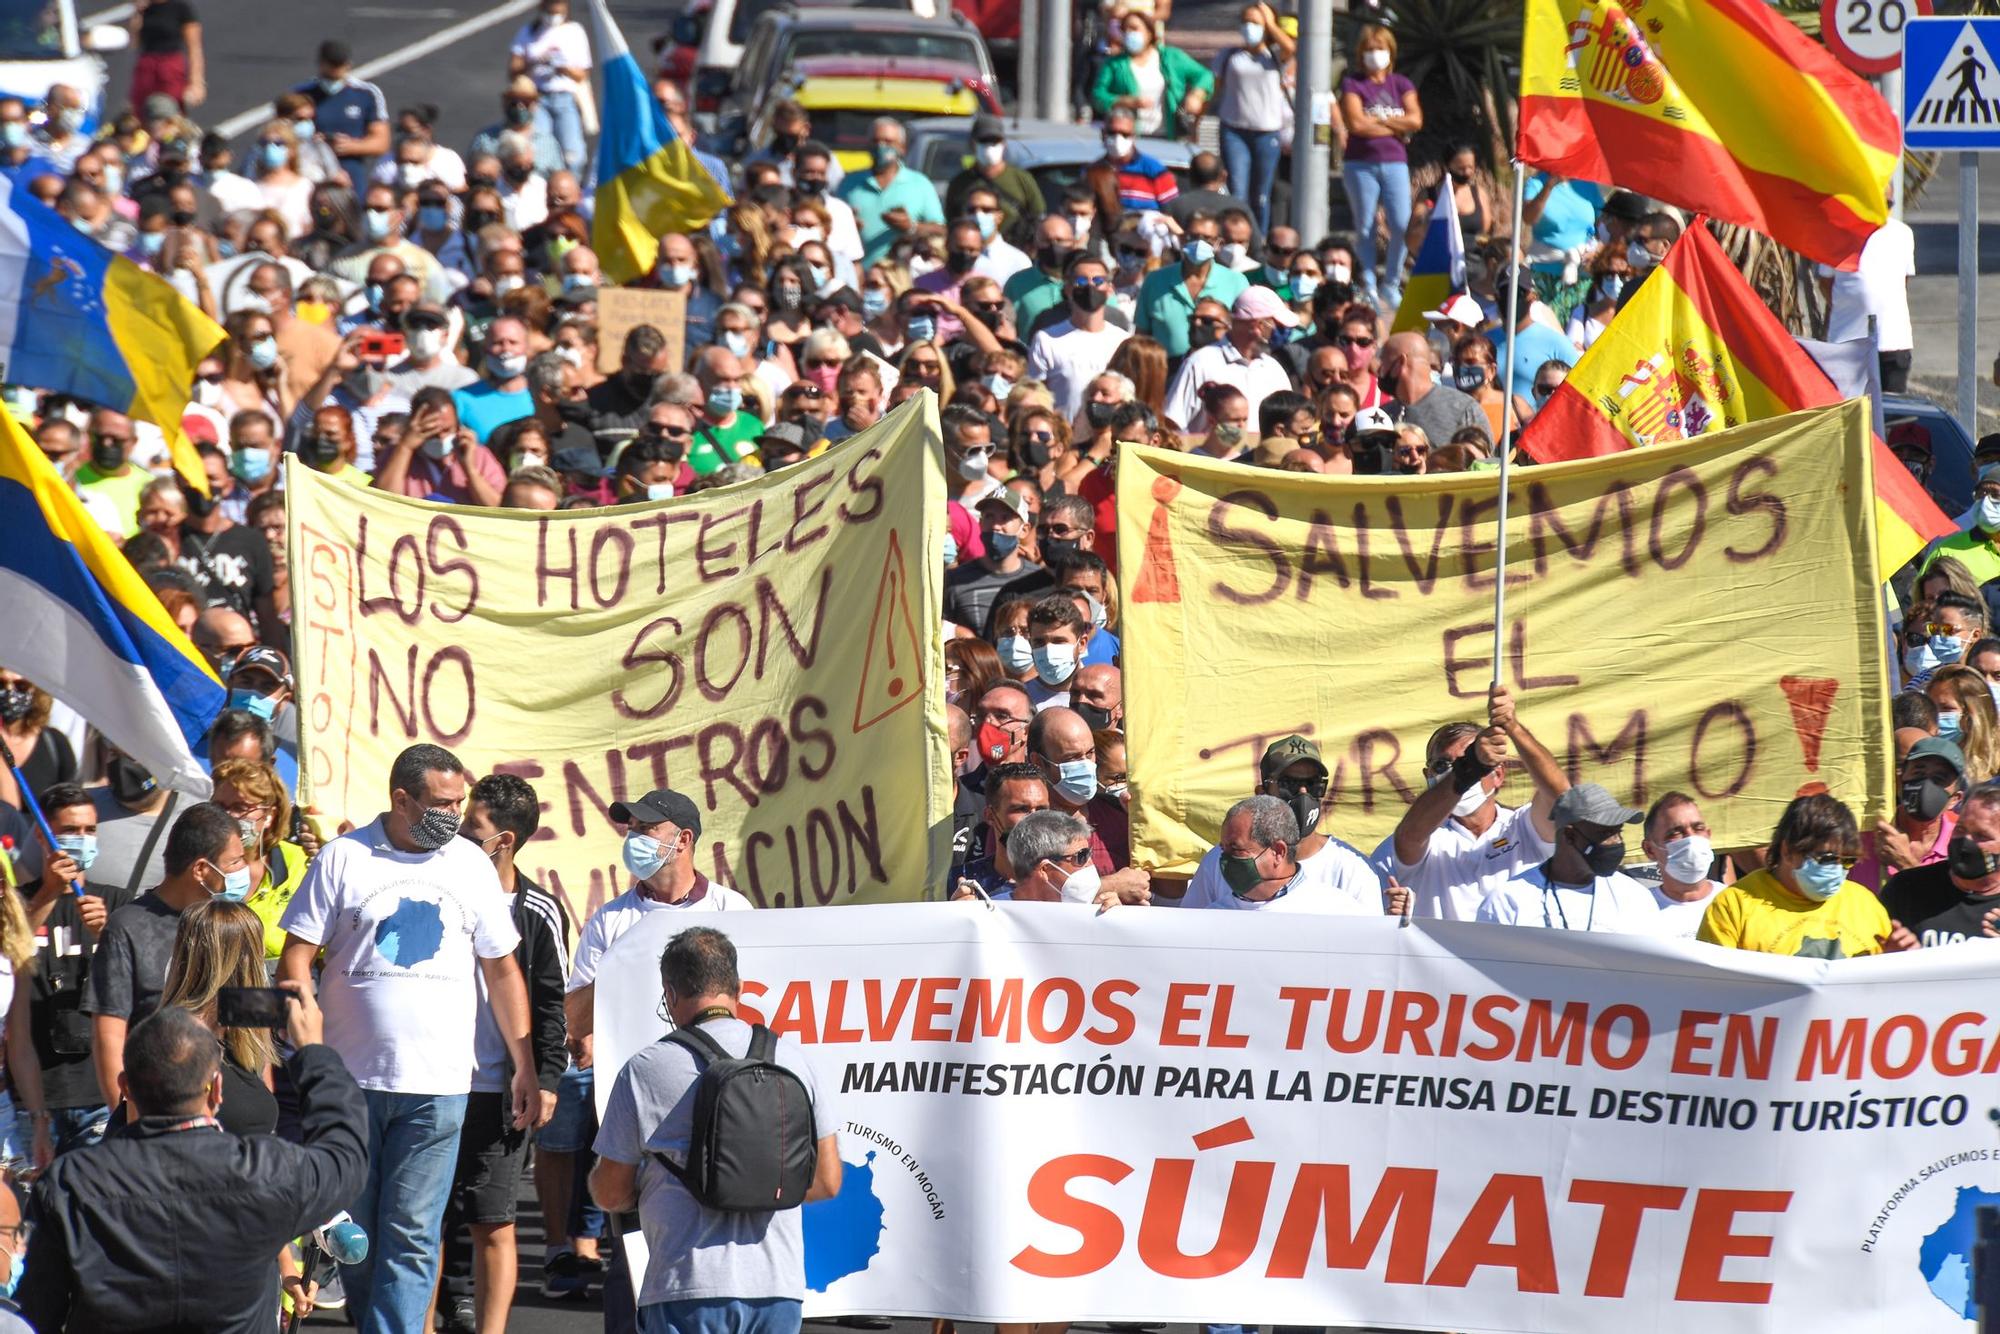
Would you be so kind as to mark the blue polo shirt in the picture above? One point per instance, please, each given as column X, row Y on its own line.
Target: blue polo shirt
column 1539, row 343
column 1165, row 306
column 910, row 190
column 350, row 111
column 484, row 408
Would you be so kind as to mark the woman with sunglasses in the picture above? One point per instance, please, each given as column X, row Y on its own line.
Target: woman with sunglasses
column 1802, row 902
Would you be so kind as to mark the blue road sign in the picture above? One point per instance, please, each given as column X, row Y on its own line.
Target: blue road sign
column 1951, row 83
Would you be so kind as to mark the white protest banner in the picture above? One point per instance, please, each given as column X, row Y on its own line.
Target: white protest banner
column 1055, row 1115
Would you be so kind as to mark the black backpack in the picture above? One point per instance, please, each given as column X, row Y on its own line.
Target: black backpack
column 753, row 1149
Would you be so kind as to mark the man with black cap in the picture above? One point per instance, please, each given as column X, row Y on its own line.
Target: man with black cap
column 1307, row 872
column 583, row 473
column 1021, row 202
column 1579, row 887
column 1958, row 899
column 782, row 445
column 429, row 364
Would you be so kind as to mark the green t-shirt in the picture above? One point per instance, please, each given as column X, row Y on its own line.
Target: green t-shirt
column 1032, row 292
column 122, row 492
column 717, row 446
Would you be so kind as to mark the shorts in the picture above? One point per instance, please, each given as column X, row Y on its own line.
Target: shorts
column 486, row 1186
column 572, row 1127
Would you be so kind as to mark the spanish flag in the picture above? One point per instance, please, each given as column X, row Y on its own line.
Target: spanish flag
column 83, row 625
column 1695, row 350
column 1719, row 106
column 648, row 178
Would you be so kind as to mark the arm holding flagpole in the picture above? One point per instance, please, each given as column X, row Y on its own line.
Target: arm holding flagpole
column 34, row 808
column 1505, row 442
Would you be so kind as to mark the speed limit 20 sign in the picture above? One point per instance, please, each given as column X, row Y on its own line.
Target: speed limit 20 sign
column 1867, row 35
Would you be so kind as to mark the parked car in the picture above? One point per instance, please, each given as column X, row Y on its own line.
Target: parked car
column 1054, row 153
column 872, row 38
column 41, row 46
column 844, row 96
column 722, row 35
column 1950, row 480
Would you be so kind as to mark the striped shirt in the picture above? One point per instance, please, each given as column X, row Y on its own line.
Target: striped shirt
column 1144, row 184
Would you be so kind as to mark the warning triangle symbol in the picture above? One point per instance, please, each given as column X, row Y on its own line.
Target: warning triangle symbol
column 1965, row 91
column 892, row 673
column 1811, row 698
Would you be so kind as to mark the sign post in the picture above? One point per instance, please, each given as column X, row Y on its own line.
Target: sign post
column 1951, row 100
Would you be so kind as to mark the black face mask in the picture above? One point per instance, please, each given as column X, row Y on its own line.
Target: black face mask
column 961, row 261
column 1305, row 805
column 131, row 782
column 15, row 703
column 574, row 409
column 1468, row 378
column 1202, row 334
column 1968, row 861
column 1098, row 720
column 477, row 218
column 1099, row 414
column 812, row 185
column 1035, row 454
column 516, row 171
column 199, row 506
column 1604, row 856
column 182, row 218
column 784, row 143
column 106, row 455
column 1055, row 548
column 1087, row 299
column 319, row 451
column 1923, row 798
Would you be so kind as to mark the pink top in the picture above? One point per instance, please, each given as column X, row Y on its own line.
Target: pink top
column 1868, row 871
column 429, row 479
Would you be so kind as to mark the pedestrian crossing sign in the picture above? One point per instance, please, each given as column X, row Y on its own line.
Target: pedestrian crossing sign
column 1951, row 83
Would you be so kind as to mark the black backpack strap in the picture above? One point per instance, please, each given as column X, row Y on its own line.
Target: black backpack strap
column 699, row 1044
column 763, row 1045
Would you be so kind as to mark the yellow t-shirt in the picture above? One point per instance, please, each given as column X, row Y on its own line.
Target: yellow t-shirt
column 1758, row 913
column 271, row 897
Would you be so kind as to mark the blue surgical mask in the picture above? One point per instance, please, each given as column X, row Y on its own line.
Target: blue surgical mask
column 250, row 465
column 433, row 217
column 873, row 302
column 1016, row 653
column 13, row 134
column 1253, row 34
column 152, row 243
column 1077, row 779
column 885, row 155
column 377, row 223
column 1949, row 726
column 737, row 343
column 264, row 353
column 676, row 275
column 1304, row 285
column 920, row 329
column 237, row 884
column 989, row 223
column 82, row 848
column 1946, row 648
column 1055, row 663
column 264, row 706
column 659, row 490
column 1134, row 41
column 724, row 399
column 373, row 291
column 1000, row 385
column 950, row 551
column 1199, row 251
column 1918, row 659
column 274, row 155
column 643, row 856
column 1002, row 545
column 19, row 1263
column 1821, row 880
column 819, row 273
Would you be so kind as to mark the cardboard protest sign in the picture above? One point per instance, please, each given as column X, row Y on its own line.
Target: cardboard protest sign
column 622, row 309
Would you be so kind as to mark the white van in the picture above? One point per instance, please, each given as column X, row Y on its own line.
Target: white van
column 40, row 46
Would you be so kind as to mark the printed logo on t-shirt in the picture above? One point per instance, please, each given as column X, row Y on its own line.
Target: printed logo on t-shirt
column 1498, row 846
column 410, row 935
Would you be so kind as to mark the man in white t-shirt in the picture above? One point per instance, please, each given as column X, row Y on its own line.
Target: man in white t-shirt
column 1325, row 875
column 1676, row 838
column 1242, row 359
column 409, row 915
column 1579, row 887
column 660, row 832
column 1069, row 354
column 1878, row 286
column 1456, row 841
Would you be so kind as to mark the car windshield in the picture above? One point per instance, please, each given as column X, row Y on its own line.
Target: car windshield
column 31, row 30
column 852, row 45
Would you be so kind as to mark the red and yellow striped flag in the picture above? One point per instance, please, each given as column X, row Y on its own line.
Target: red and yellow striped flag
column 1695, row 350
column 1718, row 106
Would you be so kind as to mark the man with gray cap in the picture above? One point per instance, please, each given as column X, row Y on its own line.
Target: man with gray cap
column 1579, row 887
column 1296, row 867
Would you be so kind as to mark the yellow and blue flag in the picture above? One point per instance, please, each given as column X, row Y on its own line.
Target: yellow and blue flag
column 82, row 625
column 648, row 178
column 1440, row 267
column 78, row 319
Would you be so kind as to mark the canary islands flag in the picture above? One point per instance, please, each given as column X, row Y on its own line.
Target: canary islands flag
column 82, row 625
column 77, row 319
column 648, row 179
column 1720, row 106
column 1440, row 267
column 1695, row 350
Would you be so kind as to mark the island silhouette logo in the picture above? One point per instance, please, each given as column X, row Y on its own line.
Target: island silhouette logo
column 883, row 1185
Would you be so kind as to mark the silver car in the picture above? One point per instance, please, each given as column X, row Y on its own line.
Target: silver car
column 1054, row 153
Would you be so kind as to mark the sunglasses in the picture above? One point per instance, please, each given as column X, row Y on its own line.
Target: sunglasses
column 1831, row 859
column 823, row 364
column 1096, row 281
column 1079, row 859
column 1355, row 340
column 807, row 391
column 1939, row 628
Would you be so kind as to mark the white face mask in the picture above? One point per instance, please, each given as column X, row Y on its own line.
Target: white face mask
column 1688, row 859
column 1377, row 59
column 1082, row 886
column 1118, row 145
column 1989, row 513
column 1016, row 653
column 1338, row 272
column 1474, row 797
column 426, row 343
column 989, row 155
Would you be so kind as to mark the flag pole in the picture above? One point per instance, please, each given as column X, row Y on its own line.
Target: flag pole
column 1507, row 421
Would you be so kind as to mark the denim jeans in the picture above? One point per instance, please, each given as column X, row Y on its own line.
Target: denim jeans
column 1383, row 185
column 1251, row 159
column 573, row 1129
column 74, row 1127
column 723, row 1315
column 412, row 1153
column 559, row 113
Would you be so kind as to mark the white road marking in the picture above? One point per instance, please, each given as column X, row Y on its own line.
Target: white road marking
column 396, row 59
column 115, row 14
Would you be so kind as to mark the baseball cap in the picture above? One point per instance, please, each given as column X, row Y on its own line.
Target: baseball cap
column 1626, row 206
column 1988, row 446
column 1936, row 747
column 158, row 106
column 661, row 804
column 263, row 658
column 1373, row 421
column 1910, row 435
column 1589, row 803
column 844, row 297
column 427, row 313
column 1460, row 309
column 579, row 461
column 788, row 438
column 335, row 53
column 987, row 129
column 1287, row 751
column 1261, row 303
column 1010, row 500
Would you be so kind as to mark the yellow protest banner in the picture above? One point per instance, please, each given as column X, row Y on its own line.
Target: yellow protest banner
column 1700, row 617
column 769, row 649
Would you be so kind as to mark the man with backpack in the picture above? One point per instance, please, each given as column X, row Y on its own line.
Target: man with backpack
column 717, row 1177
